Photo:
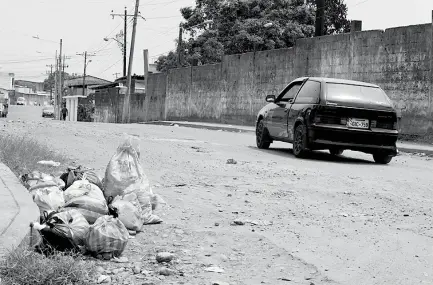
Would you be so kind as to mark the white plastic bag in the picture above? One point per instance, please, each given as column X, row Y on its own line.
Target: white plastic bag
column 124, row 175
column 85, row 195
column 48, row 199
column 107, row 236
column 128, row 213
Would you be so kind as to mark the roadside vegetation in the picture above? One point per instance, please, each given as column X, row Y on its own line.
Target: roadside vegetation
column 22, row 265
column 21, row 154
column 25, row 267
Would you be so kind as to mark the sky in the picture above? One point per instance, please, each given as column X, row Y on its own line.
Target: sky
column 30, row 31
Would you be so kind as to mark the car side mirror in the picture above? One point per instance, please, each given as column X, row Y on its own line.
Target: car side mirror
column 270, row 98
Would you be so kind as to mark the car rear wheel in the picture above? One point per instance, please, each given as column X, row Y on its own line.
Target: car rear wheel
column 382, row 158
column 300, row 141
column 336, row 151
column 263, row 140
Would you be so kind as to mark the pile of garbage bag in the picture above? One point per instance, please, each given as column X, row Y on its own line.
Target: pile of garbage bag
column 81, row 212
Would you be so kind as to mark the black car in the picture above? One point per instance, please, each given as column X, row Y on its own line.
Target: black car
column 326, row 113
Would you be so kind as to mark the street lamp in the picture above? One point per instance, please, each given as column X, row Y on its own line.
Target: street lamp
column 179, row 50
column 123, row 45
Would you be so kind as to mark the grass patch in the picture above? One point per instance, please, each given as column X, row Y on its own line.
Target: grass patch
column 21, row 154
column 25, row 267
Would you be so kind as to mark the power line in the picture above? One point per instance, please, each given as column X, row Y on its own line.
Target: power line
column 25, row 61
column 111, row 66
column 359, row 3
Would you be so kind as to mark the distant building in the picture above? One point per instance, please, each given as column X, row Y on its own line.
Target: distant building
column 75, row 86
column 35, row 86
column 7, row 80
column 31, row 96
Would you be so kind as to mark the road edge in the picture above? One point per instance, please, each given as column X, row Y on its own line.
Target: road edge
column 238, row 130
column 18, row 229
column 198, row 126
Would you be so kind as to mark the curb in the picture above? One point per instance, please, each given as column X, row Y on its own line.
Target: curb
column 416, row 151
column 196, row 126
column 237, row 130
column 26, row 211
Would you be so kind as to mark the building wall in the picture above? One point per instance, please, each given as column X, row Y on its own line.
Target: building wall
column 108, row 106
column 7, row 80
column 109, row 103
column 397, row 59
column 150, row 106
column 30, row 98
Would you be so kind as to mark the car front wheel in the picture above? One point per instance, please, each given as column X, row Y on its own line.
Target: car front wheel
column 382, row 158
column 263, row 140
column 300, row 141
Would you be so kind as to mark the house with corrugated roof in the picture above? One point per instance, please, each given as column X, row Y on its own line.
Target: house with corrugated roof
column 74, row 87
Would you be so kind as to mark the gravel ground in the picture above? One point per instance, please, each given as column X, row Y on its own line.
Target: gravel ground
column 267, row 219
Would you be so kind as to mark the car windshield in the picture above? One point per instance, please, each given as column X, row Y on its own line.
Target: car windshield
column 48, row 108
column 339, row 92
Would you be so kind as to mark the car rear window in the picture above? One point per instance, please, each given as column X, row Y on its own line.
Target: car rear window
column 339, row 92
column 49, row 108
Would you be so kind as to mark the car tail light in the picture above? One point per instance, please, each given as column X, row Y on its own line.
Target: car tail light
column 343, row 121
column 373, row 123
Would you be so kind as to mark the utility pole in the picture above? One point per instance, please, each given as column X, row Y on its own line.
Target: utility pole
column 63, row 75
column 179, row 48
column 124, row 42
column 116, row 74
column 56, row 89
column 126, row 116
column 125, row 34
column 60, row 91
column 320, row 18
column 85, row 69
column 51, row 76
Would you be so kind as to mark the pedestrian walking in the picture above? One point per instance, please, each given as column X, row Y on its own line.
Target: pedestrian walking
column 64, row 113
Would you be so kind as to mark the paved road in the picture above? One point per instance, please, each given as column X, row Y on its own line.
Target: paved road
column 27, row 113
column 338, row 220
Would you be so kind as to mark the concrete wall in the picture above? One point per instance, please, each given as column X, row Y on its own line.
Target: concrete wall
column 109, row 102
column 398, row 59
column 150, row 106
column 108, row 106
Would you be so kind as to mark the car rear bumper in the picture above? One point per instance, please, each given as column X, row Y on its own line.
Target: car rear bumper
column 370, row 141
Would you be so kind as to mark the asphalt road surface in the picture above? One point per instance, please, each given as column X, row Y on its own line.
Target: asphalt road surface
column 335, row 220
column 27, row 113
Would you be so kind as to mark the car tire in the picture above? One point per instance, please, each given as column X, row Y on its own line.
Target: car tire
column 336, row 151
column 382, row 158
column 263, row 140
column 300, row 141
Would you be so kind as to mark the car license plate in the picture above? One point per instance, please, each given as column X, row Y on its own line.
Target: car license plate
column 358, row 123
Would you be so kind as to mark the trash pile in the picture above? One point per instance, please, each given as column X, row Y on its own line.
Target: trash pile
column 81, row 212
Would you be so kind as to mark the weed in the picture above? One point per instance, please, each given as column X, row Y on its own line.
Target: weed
column 25, row 267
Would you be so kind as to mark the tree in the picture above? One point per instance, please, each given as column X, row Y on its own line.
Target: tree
column 336, row 21
column 49, row 82
column 239, row 26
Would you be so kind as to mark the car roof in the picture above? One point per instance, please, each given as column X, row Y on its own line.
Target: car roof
column 338, row 80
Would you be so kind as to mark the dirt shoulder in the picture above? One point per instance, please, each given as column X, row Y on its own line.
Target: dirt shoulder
column 322, row 220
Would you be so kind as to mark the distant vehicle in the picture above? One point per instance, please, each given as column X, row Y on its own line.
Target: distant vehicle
column 48, row 111
column 4, row 107
column 334, row 114
column 21, row 101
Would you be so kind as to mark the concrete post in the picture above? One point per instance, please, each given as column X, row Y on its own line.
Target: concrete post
column 355, row 26
column 430, row 97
